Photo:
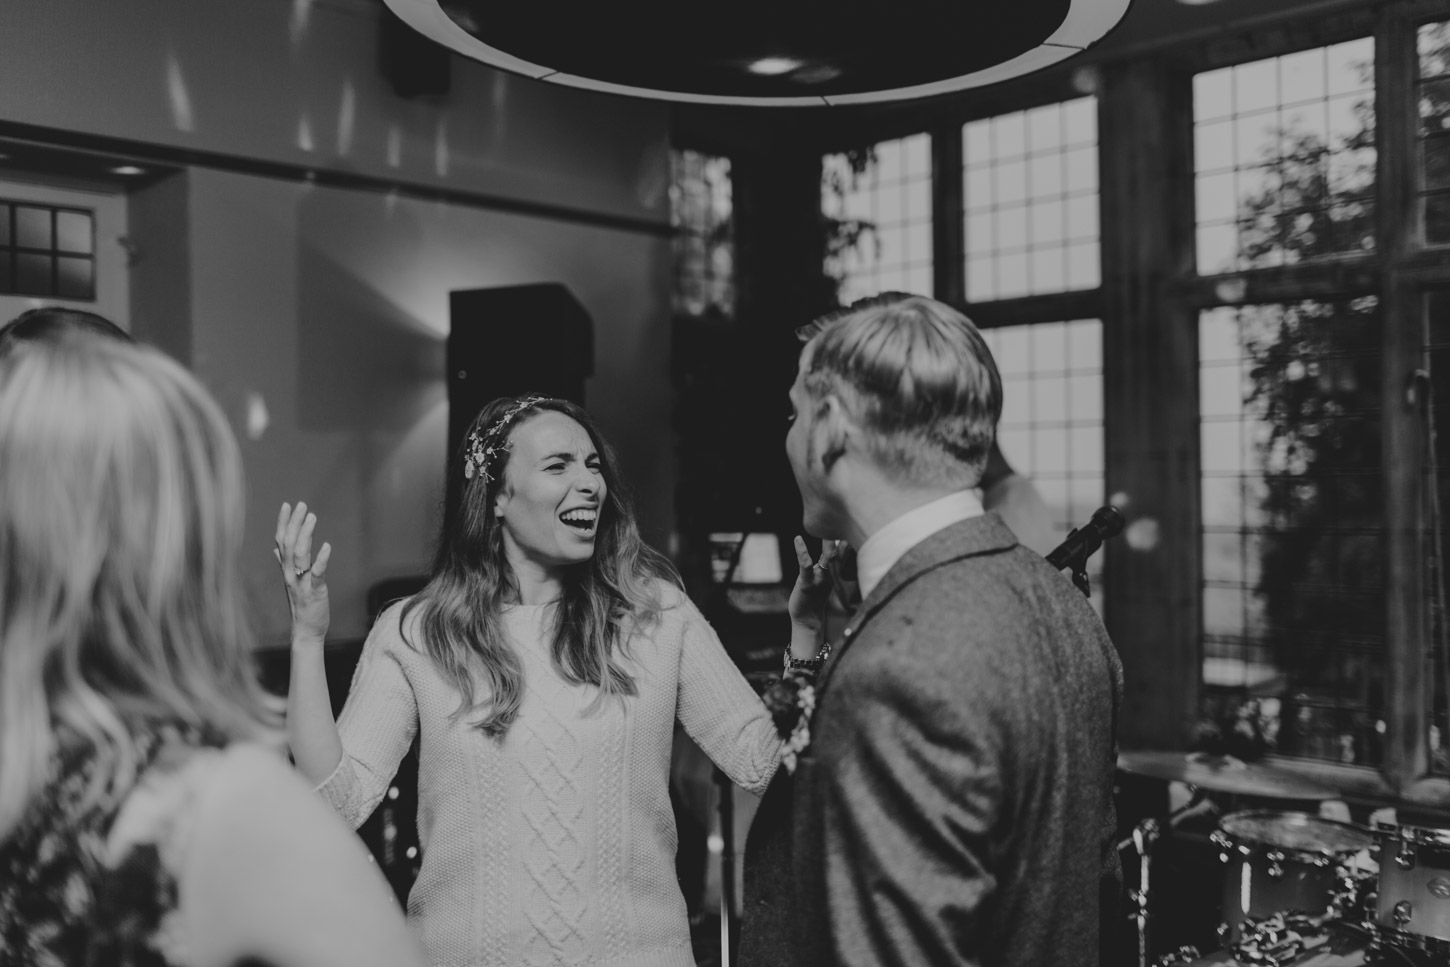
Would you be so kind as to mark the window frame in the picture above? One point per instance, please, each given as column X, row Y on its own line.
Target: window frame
column 11, row 250
column 1400, row 271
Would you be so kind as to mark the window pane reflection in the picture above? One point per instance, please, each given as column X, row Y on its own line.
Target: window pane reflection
column 877, row 206
column 1292, row 539
column 74, row 278
column 33, row 227
column 1433, row 97
column 32, row 236
column 33, row 274
column 1051, row 428
column 1281, row 147
column 701, row 214
column 1036, row 172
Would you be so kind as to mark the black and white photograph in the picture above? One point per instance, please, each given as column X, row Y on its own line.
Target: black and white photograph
column 941, row 483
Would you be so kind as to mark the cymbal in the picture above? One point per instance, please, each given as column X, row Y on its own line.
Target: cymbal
column 1219, row 773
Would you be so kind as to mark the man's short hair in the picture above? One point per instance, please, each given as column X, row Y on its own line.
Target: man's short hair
column 56, row 322
column 917, row 375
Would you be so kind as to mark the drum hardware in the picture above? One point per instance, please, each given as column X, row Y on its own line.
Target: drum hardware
column 1281, row 939
column 1296, row 881
column 1411, row 903
column 1285, row 871
column 1382, row 938
column 1296, row 887
column 1183, row 955
column 1292, row 877
column 1141, row 841
column 1202, row 774
column 1405, row 858
column 1145, row 834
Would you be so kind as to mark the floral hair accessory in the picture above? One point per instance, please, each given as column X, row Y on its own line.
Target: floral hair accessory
column 483, row 448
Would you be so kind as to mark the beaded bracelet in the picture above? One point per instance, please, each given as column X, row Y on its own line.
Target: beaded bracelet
column 808, row 664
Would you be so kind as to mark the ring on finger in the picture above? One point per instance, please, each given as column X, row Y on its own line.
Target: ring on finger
column 299, row 571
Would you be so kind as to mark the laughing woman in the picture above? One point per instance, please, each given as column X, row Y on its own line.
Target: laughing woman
column 543, row 668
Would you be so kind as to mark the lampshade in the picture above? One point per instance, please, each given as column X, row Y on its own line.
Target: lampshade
column 767, row 52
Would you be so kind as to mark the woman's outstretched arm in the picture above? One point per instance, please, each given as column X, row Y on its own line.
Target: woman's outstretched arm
column 350, row 760
column 311, row 729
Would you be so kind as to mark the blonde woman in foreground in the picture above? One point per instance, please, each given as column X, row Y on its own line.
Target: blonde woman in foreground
column 146, row 817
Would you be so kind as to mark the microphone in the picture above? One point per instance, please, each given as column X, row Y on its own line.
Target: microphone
column 1106, row 522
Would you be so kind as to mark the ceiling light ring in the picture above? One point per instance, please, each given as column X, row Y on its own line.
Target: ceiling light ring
column 1086, row 23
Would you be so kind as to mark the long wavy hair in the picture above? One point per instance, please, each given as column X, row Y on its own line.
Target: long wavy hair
column 120, row 599
column 606, row 600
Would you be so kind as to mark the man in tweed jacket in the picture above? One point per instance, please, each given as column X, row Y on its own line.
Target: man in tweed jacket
column 955, row 803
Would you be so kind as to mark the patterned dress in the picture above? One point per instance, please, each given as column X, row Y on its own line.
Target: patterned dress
column 76, row 891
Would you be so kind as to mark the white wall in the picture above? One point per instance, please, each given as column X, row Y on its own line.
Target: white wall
column 327, row 309
column 297, row 81
column 318, row 315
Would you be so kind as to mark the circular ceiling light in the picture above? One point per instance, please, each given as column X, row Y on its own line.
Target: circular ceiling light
column 784, row 53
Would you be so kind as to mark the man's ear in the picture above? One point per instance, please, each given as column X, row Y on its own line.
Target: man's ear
column 835, row 430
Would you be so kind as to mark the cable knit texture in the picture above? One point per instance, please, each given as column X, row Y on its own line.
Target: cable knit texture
column 554, row 845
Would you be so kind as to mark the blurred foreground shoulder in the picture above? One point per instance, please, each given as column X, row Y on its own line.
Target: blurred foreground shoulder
column 272, row 873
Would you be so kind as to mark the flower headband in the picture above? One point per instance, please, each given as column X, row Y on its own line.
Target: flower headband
column 483, row 448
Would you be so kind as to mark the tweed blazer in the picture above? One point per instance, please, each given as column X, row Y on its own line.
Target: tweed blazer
column 955, row 805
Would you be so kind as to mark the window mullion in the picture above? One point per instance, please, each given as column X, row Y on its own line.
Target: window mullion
column 948, row 235
column 1407, row 628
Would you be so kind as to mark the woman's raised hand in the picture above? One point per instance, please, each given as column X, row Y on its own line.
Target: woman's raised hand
column 304, row 575
column 812, row 591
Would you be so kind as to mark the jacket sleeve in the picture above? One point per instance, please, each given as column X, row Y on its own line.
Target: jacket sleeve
column 905, row 816
column 1114, row 949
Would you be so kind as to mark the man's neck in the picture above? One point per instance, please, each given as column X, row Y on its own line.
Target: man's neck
column 882, row 502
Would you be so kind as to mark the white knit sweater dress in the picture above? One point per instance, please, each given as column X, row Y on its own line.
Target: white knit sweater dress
column 554, row 845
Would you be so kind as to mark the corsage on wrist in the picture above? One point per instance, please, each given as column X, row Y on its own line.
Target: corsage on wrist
column 791, row 700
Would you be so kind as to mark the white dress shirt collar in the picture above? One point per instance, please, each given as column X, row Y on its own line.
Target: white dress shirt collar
column 885, row 547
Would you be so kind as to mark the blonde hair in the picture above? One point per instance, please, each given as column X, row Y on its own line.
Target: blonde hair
column 917, row 375
column 120, row 527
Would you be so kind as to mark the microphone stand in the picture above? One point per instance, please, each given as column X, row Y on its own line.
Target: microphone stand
column 729, row 906
column 1077, row 564
column 1083, row 542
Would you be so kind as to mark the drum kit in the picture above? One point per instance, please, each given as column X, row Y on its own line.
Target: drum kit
column 1301, row 889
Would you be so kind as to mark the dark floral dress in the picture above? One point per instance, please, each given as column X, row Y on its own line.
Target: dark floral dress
column 70, row 896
